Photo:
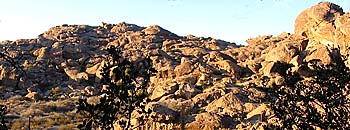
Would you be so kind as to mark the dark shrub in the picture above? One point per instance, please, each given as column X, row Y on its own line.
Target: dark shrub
column 3, row 111
column 323, row 102
column 125, row 93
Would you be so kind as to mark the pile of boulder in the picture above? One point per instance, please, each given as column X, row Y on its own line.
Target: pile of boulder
column 201, row 83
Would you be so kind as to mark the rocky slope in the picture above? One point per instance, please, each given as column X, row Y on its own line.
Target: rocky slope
column 201, row 83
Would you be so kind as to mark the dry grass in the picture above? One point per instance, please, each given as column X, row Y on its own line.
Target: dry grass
column 62, row 121
column 67, row 127
column 57, row 114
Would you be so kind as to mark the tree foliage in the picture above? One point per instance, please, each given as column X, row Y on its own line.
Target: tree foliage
column 322, row 102
column 14, row 64
column 124, row 94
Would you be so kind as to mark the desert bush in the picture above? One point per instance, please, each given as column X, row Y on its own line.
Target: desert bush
column 14, row 64
column 125, row 93
column 3, row 111
column 322, row 102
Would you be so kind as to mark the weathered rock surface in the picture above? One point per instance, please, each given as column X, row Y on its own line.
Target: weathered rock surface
column 201, row 83
column 325, row 23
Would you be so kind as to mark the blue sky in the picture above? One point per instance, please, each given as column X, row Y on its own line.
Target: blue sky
column 230, row 20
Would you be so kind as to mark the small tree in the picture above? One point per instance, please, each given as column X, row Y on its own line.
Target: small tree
column 322, row 102
column 14, row 64
column 125, row 93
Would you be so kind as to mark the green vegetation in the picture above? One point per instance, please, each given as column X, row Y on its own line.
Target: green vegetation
column 322, row 102
column 125, row 93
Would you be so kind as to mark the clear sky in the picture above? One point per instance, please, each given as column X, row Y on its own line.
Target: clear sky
column 230, row 20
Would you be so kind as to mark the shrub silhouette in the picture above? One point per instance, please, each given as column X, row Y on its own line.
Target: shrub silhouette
column 124, row 94
column 3, row 111
column 14, row 64
column 322, row 102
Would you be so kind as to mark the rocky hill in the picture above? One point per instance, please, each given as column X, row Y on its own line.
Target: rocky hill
column 201, row 83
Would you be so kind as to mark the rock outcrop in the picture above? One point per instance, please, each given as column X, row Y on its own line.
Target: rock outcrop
column 327, row 24
column 201, row 83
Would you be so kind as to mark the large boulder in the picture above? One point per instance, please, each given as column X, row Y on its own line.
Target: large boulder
column 209, row 121
column 343, row 24
column 73, row 51
column 229, row 104
column 187, row 91
column 125, row 27
column 164, row 89
column 162, row 113
column 342, row 39
column 273, row 68
column 320, row 52
column 325, row 23
column 157, row 30
column 184, row 68
column 42, row 53
column 283, row 52
column 75, row 74
column 227, row 66
column 317, row 16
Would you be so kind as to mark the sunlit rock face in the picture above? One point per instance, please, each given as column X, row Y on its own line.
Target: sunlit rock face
column 325, row 23
column 201, row 83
